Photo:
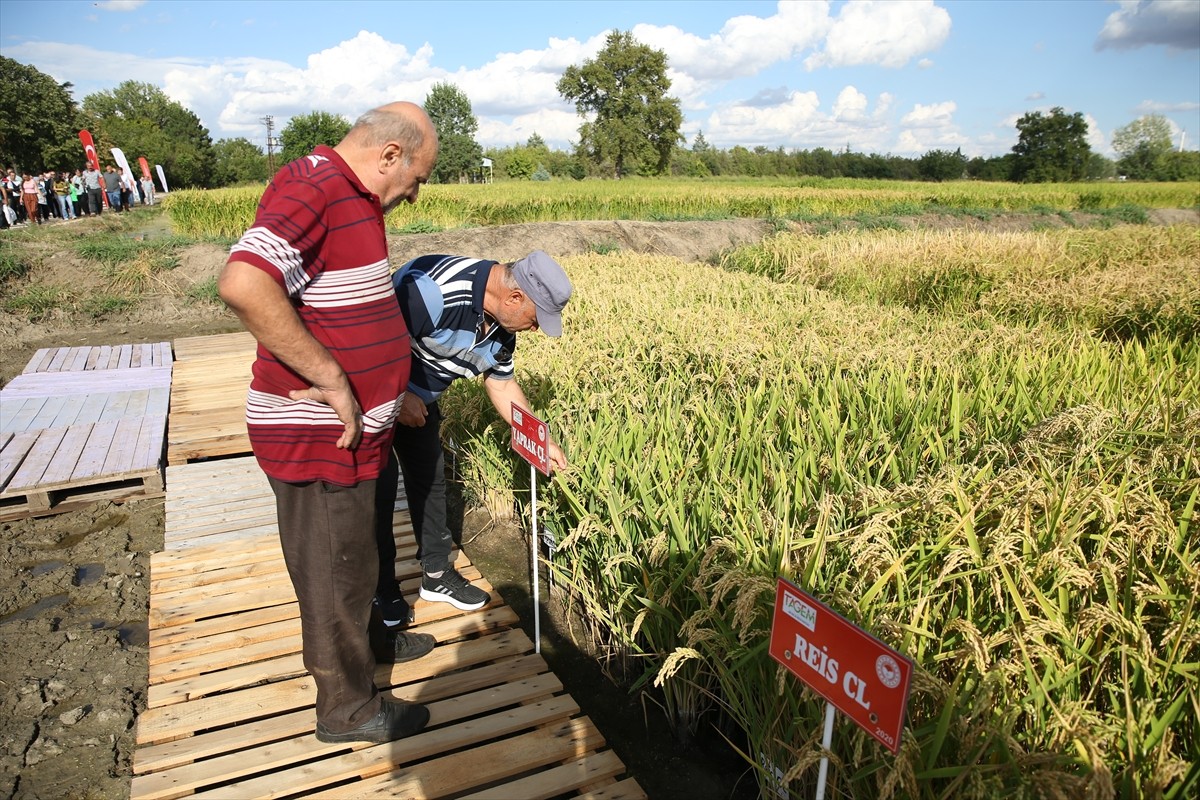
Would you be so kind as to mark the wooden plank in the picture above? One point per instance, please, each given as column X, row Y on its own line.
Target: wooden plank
column 65, row 459
column 222, row 651
column 46, row 415
column 91, row 460
column 119, row 459
column 114, row 406
column 627, row 789
column 221, row 701
column 148, row 443
column 451, row 774
column 69, row 412
column 92, row 408
column 10, row 408
column 303, row 746
column 29, row 475
column 40, row 360
column 576, row 773
column 93, row 356
column 78, row 358
column 56, row 361
column 104, row 357
column 29, row 411
column 125, row 357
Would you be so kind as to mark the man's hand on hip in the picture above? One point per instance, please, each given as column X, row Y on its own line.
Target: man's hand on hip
column 342, row 401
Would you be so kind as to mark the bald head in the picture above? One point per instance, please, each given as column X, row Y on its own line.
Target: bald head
column 402, row 122
column 392, row 150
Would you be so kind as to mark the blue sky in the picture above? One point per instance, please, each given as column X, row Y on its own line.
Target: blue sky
column 882, row 76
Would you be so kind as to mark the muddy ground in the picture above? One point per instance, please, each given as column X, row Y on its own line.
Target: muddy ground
column 74, row 587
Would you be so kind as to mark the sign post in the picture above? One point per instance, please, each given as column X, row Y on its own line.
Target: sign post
column 531, row 439
column 855, row 672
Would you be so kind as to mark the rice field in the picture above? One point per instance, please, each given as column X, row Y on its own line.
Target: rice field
column 228, row 212
column 999, row 478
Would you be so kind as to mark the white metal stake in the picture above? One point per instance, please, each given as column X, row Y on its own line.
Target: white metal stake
column 533, row 563
column 826, row 743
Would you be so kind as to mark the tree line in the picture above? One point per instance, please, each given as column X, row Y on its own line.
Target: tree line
column 630, row 125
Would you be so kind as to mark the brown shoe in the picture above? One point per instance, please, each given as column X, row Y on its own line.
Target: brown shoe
column 395, row 720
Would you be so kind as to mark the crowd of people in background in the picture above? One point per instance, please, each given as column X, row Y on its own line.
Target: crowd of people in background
column 38, row 198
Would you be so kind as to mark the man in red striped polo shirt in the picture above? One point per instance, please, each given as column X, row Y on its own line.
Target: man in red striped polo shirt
column 311, row 281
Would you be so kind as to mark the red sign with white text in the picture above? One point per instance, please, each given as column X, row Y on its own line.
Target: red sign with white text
column 531, row 439
column 861, row 676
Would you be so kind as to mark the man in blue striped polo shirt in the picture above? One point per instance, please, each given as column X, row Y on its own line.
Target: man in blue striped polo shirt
column 463, row 315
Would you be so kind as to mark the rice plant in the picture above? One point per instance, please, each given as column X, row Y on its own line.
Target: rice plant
column 1008, row 498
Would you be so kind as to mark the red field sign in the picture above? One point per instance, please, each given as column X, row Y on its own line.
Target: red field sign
column 530, row 439
column 861, row 676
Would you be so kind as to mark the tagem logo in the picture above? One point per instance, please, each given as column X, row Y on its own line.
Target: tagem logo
column 800, row 611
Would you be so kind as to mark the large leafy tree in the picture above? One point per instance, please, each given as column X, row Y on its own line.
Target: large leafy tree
column 239, row 161
column 942, row 165
column 305, row 131
column 458, row 152
column 1051, row 147
column 39, row 120
column 634, row 125
column 1142, row 147
column 142, row 120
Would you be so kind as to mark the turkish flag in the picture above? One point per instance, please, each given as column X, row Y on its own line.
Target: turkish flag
column 89, row 150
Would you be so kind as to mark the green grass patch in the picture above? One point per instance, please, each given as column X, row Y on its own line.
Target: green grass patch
column 419, row 226
column 38, row 301
column 205, row 292
column 100, row 306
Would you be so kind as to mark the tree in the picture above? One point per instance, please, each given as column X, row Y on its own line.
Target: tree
column 238, row 161
column 305, row 131
column 142, row 120
column 942, row 165
column 520, row 164
column 1142, row 145
column 635, row 125
column 458, row 152
column 1051, row 147
column 39, row 120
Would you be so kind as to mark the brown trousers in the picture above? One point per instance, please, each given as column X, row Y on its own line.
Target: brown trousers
column 328, row 538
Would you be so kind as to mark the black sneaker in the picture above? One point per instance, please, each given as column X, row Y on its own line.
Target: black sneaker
column 395, row 720
column 454, row 589
column 396, row 648
column 395, row 612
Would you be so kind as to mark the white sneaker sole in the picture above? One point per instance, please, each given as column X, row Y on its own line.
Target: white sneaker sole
column 437, row 597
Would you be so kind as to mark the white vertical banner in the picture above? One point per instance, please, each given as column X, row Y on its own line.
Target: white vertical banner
column 122, row 163
column 162, row 178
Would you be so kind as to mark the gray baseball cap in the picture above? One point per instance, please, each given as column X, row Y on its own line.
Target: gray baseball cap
column 543, row 280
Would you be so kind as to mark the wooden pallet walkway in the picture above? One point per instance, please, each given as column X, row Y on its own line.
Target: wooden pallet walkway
column 230, row 706
column 82, row 424
column 208, row 397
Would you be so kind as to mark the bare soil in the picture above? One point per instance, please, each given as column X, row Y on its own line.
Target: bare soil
column 74, row 587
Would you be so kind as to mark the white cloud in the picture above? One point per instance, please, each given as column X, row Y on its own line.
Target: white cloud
column 744, row 46
column 925, row 63
column 1157, row 107
column 937, row 115
column 1036, row 96
column 797, row 121
column 888, row 34
column 850, row 106
column 119, row 5
column 1137, row 23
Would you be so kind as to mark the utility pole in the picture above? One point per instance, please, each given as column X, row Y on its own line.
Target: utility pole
column 269, row 121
